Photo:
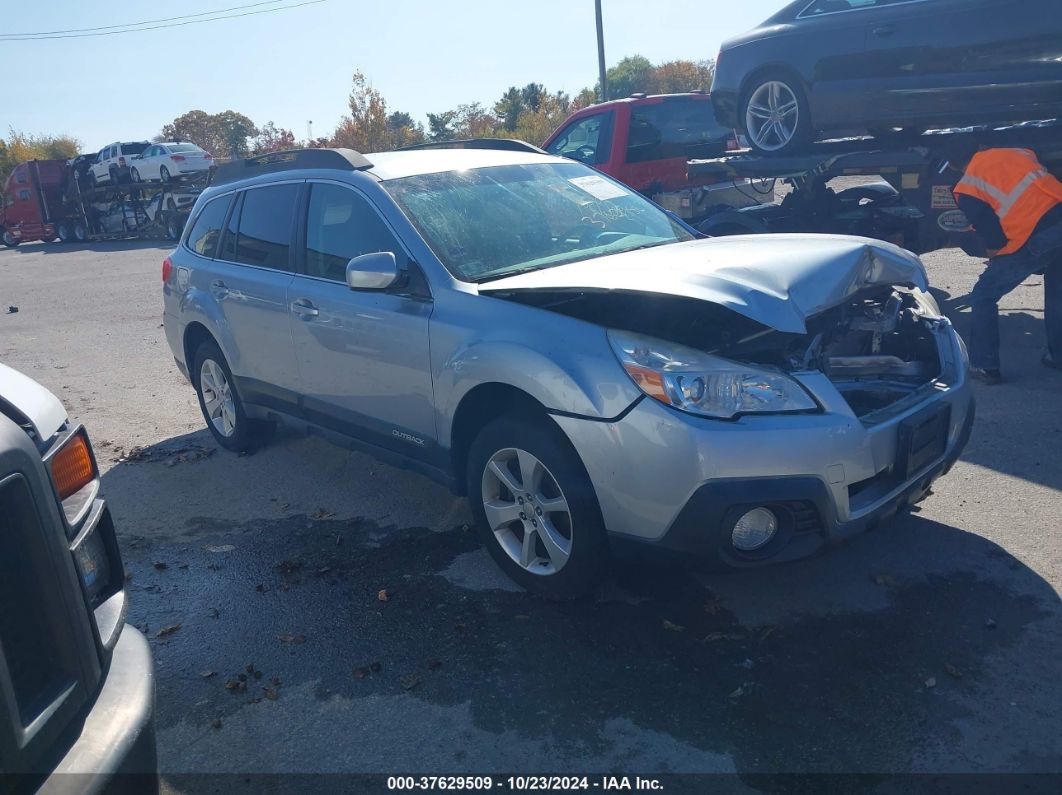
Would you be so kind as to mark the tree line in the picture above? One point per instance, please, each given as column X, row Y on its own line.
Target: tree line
column 529, row 113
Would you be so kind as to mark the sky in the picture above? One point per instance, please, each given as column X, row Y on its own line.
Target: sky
column 295, row 65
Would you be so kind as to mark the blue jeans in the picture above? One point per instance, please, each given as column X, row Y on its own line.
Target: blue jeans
column 1043, row 253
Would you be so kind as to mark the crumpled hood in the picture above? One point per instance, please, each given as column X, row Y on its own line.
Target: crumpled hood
column 777, row 280
column 32, row 401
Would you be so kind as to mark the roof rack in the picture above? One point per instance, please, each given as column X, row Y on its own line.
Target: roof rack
column 290, row 160
column 504, row 144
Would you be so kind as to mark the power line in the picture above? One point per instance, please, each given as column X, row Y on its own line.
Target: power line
column 135, row 24
column 161, row 26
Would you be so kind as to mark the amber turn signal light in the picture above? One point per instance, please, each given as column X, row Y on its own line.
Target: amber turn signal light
column 72, row 468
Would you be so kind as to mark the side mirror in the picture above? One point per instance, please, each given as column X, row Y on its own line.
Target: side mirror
column 376, row 271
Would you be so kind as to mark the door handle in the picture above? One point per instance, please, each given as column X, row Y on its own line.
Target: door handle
column 884, row 31
column 219, row 288
column 304, row 308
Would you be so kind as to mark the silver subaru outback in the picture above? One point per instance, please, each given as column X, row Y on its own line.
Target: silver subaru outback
column 592, row 375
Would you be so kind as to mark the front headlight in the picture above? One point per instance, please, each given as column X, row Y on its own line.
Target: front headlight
column 699, row 383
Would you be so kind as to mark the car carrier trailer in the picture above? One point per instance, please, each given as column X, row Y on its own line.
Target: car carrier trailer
column 48, row 200
column 911, row 204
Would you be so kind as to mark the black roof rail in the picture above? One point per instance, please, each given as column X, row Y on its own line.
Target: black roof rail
column 504, row 144
column 290, row 160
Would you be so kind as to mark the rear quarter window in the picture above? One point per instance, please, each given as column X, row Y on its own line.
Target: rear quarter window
column 674, row 128
column 203, row 237
column 266, row 220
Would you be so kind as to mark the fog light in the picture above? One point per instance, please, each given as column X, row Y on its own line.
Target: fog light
column 754, row 529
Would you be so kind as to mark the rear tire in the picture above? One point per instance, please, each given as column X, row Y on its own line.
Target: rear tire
column 525, row 471
column 776, row 115
column 10, row 240
column 173, row 228
column 164, row 174
column 134, row 175
column 80, row 232
column 220, row 403
column 65, row 233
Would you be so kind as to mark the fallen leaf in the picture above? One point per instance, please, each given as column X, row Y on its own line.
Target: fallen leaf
column 321, row 513
column 294, row 640
column 361, row 672
column 738, row 693
column 990, row 623
column 673, row 627
column 409, row 682
column 383, row 596
column 257, row 674
column 260, row 588
column 931, row 682
column 767, row 631
column 236, row 686
column 167, row 630
column 128, row 576
column 276, row 681
column 207, row 674
column 951, row 670
column 213, row 612
column 712, row 637
column 323, row 570
column 270, row 693
column 434, row 665
column 161, row 566
column 216, row 723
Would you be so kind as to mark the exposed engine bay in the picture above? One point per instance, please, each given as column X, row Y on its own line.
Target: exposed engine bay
column 877, row 347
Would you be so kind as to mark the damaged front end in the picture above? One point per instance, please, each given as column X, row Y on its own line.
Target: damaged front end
column 884, row 348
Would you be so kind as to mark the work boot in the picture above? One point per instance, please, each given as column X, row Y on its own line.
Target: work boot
column 1047, row 361
column 987, row 377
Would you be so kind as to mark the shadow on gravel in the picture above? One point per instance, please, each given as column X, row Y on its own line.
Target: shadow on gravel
column 98, row 246
column 360, row 613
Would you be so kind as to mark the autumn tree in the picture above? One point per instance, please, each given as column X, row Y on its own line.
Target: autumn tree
column 509, row 107
column 404, row 131
column 271, row 138
column 226, row 134
column 675, row 77
column 19, row 147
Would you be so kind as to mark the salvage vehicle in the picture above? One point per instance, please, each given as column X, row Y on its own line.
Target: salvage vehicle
column 165, row 161
column 595, row 377
column 77, row 684
column 645, row 141
column 892, row 67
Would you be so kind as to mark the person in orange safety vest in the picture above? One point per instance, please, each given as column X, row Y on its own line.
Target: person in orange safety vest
column 1015, row 207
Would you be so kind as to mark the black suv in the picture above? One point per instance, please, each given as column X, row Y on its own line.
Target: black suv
column 77, row 686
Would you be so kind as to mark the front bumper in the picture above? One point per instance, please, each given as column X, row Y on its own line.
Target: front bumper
column 114, row 751
column 676, row 482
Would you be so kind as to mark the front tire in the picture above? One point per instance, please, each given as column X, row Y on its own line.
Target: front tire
column 222, row 408
column 776, row 115
column 535, row 507
column 164, row 174
column 134, row 175
column 9, row 239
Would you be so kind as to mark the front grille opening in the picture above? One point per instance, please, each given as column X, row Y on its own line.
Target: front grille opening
column 29, row 632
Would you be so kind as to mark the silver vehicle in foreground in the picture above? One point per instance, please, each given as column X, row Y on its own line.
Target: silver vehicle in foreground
column 592, row 375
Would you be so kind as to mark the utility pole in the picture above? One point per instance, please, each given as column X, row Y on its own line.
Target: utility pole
column 601, row 53
column 309, row 132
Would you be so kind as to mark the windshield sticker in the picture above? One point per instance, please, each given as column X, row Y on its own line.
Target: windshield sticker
column 598, row 187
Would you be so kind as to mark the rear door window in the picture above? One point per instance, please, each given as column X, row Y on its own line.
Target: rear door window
column 203, row 239
column 266, row 220
column 674, row 128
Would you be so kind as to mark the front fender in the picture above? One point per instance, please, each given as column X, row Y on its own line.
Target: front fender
column 565, row 364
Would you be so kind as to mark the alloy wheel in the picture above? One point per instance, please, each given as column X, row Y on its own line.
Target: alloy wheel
column 772, row 116
column 527, row 511
column 217, row 397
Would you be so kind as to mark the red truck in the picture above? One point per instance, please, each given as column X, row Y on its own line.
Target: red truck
column 646, row 141
column 33, row 206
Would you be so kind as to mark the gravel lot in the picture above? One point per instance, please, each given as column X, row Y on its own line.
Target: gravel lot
column 932, row 645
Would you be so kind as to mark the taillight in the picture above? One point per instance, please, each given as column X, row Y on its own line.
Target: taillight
column 167, row 270
column 177, row 158
column 72, row 467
